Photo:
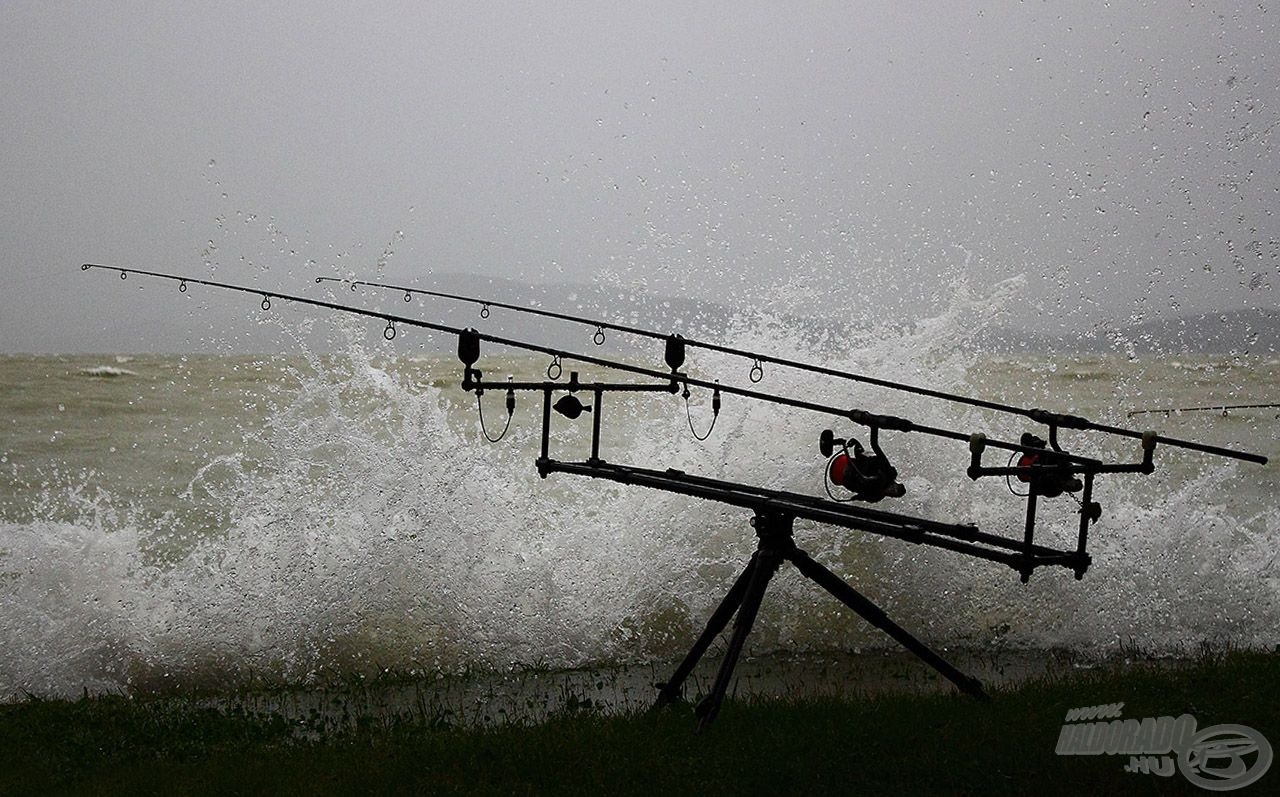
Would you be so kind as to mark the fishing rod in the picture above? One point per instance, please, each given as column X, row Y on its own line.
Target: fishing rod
column 1052, row 420
column 1215, row 408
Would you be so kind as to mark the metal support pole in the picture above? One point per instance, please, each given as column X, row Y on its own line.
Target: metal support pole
column 595, row 428
column 1028, row 537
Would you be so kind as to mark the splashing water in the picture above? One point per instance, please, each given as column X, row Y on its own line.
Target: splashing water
column 320, row 516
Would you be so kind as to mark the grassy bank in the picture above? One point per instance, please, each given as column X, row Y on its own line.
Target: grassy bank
column 914, row 744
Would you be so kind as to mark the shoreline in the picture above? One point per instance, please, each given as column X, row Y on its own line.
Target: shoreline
column 931, row 743
column 485, row 698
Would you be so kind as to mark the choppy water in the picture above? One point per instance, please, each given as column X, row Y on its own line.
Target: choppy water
column 169, row 520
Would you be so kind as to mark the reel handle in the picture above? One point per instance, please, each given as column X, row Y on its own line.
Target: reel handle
column 827, row 442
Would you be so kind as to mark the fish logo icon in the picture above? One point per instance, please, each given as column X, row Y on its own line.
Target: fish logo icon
column 1225, row 757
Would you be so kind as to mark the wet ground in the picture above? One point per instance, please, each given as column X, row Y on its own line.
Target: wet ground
column 529, row 696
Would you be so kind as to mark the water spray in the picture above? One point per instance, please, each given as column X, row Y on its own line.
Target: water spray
column 1043, row 465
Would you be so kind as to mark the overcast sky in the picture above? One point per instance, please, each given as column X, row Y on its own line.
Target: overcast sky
column 1124, row 157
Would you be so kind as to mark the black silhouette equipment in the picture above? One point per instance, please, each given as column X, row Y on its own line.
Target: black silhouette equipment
column 854, row 476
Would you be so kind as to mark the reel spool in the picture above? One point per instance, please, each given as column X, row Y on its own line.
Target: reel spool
column 1039, row 471
column 870, row 477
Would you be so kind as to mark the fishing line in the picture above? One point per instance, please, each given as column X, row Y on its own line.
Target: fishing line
column 715, row 412
column 511, row 405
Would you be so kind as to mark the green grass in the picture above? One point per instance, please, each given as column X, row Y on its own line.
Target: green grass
column 943, row 744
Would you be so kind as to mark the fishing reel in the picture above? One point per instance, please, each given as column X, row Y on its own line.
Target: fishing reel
column 1042, row 471
column 870, row 477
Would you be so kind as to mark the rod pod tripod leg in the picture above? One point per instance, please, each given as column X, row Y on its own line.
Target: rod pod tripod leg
column 744, row 597
column 775, row 535
column 670, row 690
column 875, row 615
column 751, row 583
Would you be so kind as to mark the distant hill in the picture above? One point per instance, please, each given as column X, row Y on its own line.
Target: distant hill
column 1255, row 331
column 1248, row 331
column 1243, row 331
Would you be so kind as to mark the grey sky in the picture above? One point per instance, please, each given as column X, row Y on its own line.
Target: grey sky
column 1122, row 156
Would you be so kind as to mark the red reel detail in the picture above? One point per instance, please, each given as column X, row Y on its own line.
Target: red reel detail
column 840, row 465
column 1024, row 463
